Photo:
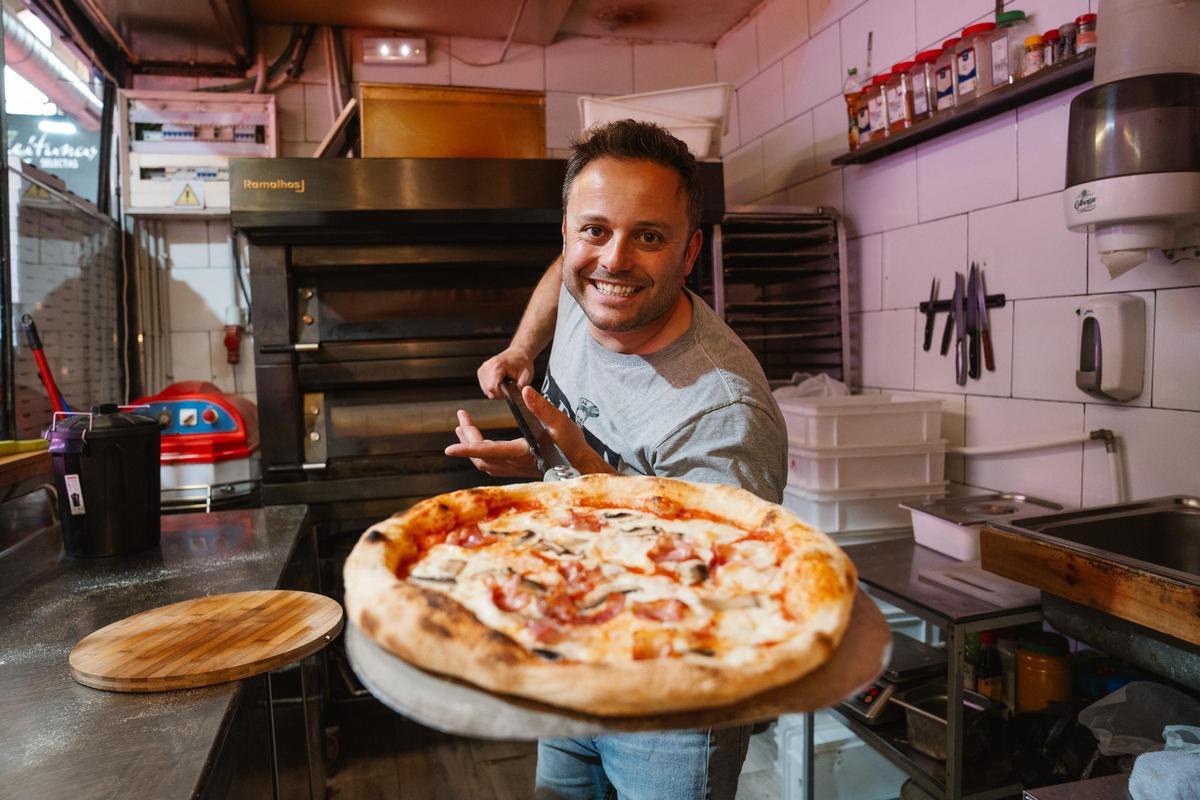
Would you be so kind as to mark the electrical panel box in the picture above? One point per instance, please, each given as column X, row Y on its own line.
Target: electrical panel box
column 176, row 146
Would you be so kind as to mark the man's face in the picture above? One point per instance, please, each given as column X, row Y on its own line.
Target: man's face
column 626, row 243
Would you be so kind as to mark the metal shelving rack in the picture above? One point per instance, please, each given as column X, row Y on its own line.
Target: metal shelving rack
column 778, row 278
column 889, row 568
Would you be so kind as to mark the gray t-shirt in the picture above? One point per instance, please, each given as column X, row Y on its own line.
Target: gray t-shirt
column 699, row 409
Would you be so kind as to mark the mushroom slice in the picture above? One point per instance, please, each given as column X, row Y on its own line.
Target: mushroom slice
column 693, row 572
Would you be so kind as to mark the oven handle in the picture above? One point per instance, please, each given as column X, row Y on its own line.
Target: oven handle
column 305, row 467
column 304, row 347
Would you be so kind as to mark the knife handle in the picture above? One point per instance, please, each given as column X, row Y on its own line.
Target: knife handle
column 928, row 341
column 974, row 367
column 989, row 360
column 946, row 332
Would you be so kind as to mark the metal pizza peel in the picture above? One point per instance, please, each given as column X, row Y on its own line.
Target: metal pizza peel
column 453, row 706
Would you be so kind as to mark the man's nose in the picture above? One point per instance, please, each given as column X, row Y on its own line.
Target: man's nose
column 618, row 254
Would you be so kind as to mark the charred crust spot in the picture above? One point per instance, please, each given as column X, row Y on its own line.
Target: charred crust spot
column 375, row 536
column 443, row 507
column 549, row 655
column 435, row 628
column 369, row 623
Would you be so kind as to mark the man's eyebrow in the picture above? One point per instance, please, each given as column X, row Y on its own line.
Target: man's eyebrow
column 641, row 223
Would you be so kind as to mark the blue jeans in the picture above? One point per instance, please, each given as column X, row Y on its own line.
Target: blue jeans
column 700, row 764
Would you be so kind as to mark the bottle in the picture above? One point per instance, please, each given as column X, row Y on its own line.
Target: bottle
column 989, row 669
column 1008, row 47
column 923, row 85
column 1050, row 49
column 1066, row 41
column 851, row 91
column 970, row 656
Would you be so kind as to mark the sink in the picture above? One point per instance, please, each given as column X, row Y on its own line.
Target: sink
column 1160, row 536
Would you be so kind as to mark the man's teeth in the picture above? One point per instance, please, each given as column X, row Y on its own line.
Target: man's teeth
column 614, row 288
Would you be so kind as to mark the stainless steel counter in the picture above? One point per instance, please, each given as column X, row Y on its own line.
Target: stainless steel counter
column 59, row 739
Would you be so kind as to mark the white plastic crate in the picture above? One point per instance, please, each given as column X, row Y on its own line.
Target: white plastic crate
column 861, row 420
column 709, row 102
column 839, row 512
column 699, row 135
column 844, row 468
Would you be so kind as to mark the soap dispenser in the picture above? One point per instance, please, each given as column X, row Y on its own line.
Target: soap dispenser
column 1112, row 346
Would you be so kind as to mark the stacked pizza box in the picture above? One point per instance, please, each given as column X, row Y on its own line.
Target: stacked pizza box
column 853, row 459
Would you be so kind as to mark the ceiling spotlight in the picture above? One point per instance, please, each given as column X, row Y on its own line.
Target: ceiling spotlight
column 394, row 50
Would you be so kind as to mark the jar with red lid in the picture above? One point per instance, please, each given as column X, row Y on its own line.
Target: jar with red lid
column 862, row 108
column 921, row 84
column 973, row 61
column 1050, row 48
column 898, row 93
column 945, row 92
column 877, row 108
column 1085, row 34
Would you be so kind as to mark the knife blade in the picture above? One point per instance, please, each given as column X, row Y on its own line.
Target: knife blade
column 974, row 365
column 948, row 330
column 550, row 460
column 929, row 315
column 960, row 333
column 985, row 327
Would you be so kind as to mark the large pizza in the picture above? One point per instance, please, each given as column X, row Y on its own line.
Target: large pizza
column 610, row 595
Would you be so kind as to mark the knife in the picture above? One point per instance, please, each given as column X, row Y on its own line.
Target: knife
column 948, row 330
column 960, row 338
column 929, row 315
column 550, row 460
column 974, row 367
column 985, row 327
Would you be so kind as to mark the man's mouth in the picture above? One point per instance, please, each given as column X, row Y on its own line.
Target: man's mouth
column 614, row 289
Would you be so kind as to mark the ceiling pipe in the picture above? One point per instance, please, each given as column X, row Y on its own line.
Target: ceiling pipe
column 35, row 62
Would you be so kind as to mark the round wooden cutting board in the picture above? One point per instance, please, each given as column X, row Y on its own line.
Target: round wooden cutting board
column 206, row 640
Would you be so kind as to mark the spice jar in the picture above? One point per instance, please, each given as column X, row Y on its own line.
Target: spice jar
column 973, row 60
column 1066, row 41
column 1050, row 47
column 921, row 84
column 945, row 87
column 897, row 91
column 1034, row 59
column 877, row 108
column 1008, row 46
column 1043, row 671
column 1085, row 37
column 863, row 110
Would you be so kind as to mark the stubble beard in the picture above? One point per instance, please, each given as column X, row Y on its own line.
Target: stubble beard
column 657, row 306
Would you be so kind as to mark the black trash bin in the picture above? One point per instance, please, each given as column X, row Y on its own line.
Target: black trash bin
column 106, row 471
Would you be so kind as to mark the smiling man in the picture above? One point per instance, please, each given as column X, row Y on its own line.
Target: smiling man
column 644, row 379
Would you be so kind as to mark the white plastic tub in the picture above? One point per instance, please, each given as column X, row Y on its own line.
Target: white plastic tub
column 862, row 468
column 840, row 512
column 709, row 102
column 861, row 420
column 698, row 134
column 844, row 767
column 952, row 526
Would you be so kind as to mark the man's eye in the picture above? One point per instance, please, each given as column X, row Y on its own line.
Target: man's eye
column 593, row 230
column 650, row 237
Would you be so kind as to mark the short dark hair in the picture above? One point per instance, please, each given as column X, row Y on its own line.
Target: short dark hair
column 630, row 140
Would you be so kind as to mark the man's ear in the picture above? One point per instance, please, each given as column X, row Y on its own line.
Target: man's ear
column 693, row 250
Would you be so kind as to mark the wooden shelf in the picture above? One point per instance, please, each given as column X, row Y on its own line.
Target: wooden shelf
column 1045, row 83
column 24, row 466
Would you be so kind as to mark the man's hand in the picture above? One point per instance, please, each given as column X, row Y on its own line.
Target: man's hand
column 512, row 458
column 510, row 363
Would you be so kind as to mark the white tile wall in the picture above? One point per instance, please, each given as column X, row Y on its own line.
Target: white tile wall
column 938, row 20
column 1046, row 350
column 829, row 133
column 1042, row 144
column 731, row 139
column 1053, row 474
column 788, row 154
column 864, row 259
column 1027, row 251
column 737, row 54
column 780, row 25
column 881, row 195
column 199, row 297
column 812, row 73
column 289, row 112
column 191, row 357
column 187, row 243
column 669, row 65
column 523, row 67
column 893, row 25
column 744, row 178
column 318, row 112
column 913, row 256
column 1160, row 452
column 954, row 427
column 562, row 118
column 1177, row 349
column 590, row 66
column 885, row 364
column 760, row 103
column 975, row 168
column 825, row 190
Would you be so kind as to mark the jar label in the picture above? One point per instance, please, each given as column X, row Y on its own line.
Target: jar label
column 1034, row 60
column 878, row 113
column 864, row 119
column 919, row 96
column 1000, row 61
column 967, row 77
column 74, row 495
column 943, row 79
column 895, row 103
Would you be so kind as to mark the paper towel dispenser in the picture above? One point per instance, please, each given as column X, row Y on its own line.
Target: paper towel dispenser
column 1112, row 346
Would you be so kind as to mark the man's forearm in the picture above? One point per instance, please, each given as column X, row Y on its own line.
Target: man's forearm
column 537, row 323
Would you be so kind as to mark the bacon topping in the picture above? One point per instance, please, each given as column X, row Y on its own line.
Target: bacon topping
column 470, row 536
column 670, row 547
column 579, row 579
column 661, row 610
column 584, row 521
column 509, row 595
column 545, row 631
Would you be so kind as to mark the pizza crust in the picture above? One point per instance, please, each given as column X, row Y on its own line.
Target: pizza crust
column 432, row 631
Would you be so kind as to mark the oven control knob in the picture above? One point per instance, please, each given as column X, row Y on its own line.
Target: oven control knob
column 209, row 415
column 164, row 418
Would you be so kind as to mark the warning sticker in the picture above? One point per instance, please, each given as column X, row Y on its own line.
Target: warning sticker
column 189, row 197
column 74, row 495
